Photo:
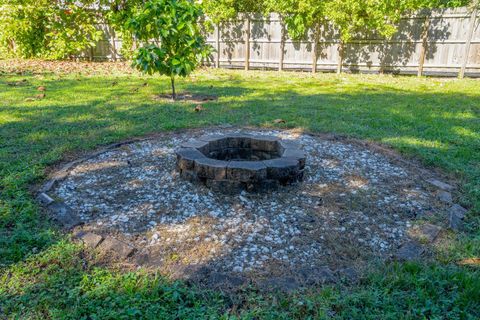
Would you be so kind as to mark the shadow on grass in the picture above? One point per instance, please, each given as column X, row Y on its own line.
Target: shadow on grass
column 68, row 288
column 441, row 128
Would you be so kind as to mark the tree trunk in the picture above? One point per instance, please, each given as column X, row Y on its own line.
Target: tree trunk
column 340, row 57
column 172, row 80
column 316, row 38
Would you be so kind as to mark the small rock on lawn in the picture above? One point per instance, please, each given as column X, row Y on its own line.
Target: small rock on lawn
column 410, row 251
column 427, row 232
column 455, row 216
column 90, row 239
column 117, row 247
column 445, row 196
column 65, row 215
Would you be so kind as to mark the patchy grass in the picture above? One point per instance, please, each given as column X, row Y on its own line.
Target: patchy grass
column 44, row 275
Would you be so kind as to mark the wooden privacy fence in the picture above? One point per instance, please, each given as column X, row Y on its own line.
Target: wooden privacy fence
column 438, row 42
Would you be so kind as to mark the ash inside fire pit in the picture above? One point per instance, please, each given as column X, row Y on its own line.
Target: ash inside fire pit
column 236, row 162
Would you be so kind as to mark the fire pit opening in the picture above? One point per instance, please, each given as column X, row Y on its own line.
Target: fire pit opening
column 235, row 162
column 240, row 149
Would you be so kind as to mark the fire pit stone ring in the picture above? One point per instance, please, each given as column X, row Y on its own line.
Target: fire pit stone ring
column 232, row 163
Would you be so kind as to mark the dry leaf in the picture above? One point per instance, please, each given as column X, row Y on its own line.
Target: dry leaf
column 40, row 96
column 41, row 88
column 470, row 262
column 198, row 108
column 279, row 121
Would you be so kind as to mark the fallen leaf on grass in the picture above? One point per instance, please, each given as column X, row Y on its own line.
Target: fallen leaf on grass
column 198, row 108
column 40, row 96
column 473, row 262
column 279, row 121
column 41, row 88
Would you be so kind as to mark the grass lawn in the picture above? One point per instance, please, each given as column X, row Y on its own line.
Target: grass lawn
column 44, row 275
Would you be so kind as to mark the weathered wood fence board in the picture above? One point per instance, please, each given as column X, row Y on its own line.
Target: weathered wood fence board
column 429, row 42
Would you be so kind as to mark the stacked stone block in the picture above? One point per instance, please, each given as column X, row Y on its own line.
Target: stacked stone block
column 235, row 162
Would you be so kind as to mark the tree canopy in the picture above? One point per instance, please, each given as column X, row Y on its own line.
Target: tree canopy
column 348, row 16
column 171, row 41
column 56, row 29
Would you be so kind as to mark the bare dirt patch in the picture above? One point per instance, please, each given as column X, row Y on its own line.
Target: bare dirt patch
column 187, row 97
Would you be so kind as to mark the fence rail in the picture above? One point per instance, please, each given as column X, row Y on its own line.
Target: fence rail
column 437, row 42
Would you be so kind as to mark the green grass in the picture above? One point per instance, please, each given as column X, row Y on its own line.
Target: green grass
column 44, row 275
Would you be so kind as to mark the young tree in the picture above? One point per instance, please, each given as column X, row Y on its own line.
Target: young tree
column 170, row 37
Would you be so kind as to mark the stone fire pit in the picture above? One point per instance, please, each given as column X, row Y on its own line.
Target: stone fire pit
column 236, row 162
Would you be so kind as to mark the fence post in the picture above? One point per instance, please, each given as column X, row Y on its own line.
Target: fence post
column 471, row 28
column 316, row 38
column 340, row 56
column 90, row 54
column 247, row 43
column 282, row 45
column 114, row 47
column 217, row 45
column 423, row 50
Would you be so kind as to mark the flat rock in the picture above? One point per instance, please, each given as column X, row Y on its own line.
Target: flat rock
column 439, row 184
column 90, row 239
column 426, row 232
column 444, row 196
column 456, row 215
column 410, row 251
column 117, row 247
column 45, row 198
column 64, row 215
